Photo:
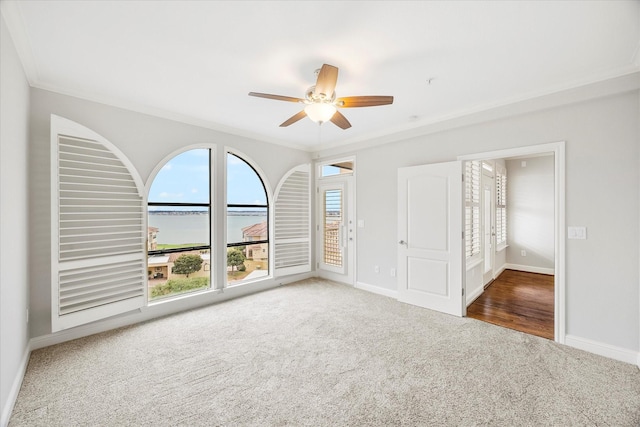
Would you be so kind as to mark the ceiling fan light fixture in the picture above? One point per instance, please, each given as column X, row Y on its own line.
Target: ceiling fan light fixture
column 320, row 112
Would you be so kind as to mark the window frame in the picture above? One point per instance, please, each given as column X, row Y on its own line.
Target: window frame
column 212, row 247
column 320, row 165
column 268, row 206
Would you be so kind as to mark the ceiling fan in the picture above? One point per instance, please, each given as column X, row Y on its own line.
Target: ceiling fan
column 321, row 104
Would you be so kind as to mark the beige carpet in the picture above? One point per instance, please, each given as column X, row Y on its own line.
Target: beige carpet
column 318, row 353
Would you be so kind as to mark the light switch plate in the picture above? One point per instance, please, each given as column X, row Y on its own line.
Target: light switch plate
column 361, row 223
column 577, row 233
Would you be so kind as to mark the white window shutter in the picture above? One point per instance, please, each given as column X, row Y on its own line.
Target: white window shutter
column 98, row 239
column 501, row 205
column 472, row 210
column 292, row 222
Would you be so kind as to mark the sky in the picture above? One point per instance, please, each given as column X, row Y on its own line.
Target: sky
column 185, row 179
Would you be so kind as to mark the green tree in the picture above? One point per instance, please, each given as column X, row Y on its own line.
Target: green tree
column 187, row 264
column 235, row 258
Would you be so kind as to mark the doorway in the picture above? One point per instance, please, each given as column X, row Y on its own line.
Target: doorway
column 513, row 255
column 335, row 229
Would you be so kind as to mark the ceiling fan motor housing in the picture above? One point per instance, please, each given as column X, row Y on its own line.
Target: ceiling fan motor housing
column 312, row 97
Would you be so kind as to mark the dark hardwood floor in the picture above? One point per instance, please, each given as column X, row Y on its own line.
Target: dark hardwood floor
column 518, row 300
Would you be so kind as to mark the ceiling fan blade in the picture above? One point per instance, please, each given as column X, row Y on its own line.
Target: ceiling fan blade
column 327, row 79
column 276, row 97
column 341, row 121
column 363, row 101
column 291, row 120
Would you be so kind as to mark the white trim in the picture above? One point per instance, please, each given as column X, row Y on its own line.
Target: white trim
column 558, row 150
column 620, row 81
column 473, row 262
column 602, row 349
column 529, row 269
column 328, row 161
column 15, row 387
column 13, row 18
column 499, row 271
column 474, row 295
column 377, row 290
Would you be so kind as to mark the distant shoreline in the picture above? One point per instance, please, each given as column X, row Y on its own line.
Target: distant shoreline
column 229, row 213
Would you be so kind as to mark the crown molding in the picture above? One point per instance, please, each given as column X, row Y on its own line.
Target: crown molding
column 624, row 81
column 10, row 11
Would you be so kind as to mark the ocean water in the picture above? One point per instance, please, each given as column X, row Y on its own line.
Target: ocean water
column 194, row 227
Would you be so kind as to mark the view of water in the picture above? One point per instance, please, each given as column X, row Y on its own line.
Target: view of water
column 192, row 227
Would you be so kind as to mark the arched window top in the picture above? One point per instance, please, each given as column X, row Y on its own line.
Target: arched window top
column 183, row 179
column 247, row 222
column 244, row 184
column 179, row 232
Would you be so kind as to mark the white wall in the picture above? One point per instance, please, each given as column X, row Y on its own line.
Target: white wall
column 602, row 273
column 530, row 213
column 146, row 141
column 14, row 212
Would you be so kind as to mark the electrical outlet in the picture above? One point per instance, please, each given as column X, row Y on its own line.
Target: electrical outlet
column 393, row 272
column 523, row 253
column 376, row 269
column 577, row 233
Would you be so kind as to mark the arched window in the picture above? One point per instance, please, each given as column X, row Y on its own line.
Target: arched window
column 247, row 222
column 179, row 226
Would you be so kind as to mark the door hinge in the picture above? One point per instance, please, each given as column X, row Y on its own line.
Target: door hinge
column 462, row 291
column 463, row 235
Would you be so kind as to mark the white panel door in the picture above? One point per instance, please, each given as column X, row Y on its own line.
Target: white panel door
column 430, row 247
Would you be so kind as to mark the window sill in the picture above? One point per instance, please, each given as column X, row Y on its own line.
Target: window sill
column 501, row 248
column 184, row 296
column 249, row 281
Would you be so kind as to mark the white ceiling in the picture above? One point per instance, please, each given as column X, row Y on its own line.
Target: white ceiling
column 197, row 60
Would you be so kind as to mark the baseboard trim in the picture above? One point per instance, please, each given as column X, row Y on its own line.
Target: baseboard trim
column 474, row 295
column 377, row 290
column 529, row 269
column 15, row 388
column 602, row 349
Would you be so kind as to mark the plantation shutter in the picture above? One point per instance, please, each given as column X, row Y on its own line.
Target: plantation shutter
column 501, row 205
column 472, row 209
column 293, row 223
column 97, row 231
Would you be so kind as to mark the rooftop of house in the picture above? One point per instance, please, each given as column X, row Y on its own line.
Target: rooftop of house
column 254, row 230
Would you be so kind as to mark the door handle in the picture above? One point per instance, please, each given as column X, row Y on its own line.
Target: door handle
column 402, row 242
